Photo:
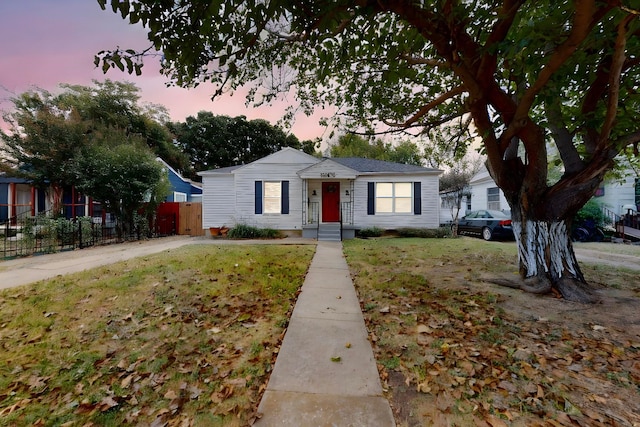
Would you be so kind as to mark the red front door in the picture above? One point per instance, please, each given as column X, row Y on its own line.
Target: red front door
column 330, row 202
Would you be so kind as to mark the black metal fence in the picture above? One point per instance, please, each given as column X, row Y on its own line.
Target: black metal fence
column 28, row 235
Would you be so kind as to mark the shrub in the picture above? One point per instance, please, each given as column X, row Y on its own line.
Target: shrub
column 590, row 213
column 243, row 231
column 370, row 232
column 426, row 233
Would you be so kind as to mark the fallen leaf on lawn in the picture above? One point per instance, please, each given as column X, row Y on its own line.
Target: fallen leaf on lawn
column 336, row 359
column 170, row 395
column 348, row 345
column 107, row 403
column 570, row 409
column 423, row 329
column 385, row 309
column 10, row 409
column 244, row 317
column 241, row 382
column 598, row 328
column 423, row 388
column 495, row 421
column 126, row 382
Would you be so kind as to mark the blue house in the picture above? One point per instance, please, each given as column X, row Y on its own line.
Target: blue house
column 182, row 189
column 18, row 198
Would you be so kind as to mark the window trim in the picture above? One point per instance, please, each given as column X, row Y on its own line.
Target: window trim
column 179, row 193
column 260, row 199
column 394, row 198
column 493, row 205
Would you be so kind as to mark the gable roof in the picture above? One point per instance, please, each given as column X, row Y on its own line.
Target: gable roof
column 286, row 155
column 177, row 174
column 363, row 165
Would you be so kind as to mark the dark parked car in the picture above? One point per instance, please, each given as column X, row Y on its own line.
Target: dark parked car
column 486, row 224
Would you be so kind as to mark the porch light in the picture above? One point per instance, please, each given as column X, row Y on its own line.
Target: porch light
column 346, row 192
column 314, row 193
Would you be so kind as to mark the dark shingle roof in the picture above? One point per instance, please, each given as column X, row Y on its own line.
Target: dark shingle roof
column 227, row 169
column 370, row 165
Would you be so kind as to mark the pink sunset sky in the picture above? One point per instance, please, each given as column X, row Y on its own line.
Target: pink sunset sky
column 47, row 42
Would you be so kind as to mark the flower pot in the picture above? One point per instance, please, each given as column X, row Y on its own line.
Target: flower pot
column 224, row 231
column 215, row 231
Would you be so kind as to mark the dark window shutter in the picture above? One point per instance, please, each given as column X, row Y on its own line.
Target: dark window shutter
column 417, row 198
column 371, row 198
column 258, row 197
column 284, row 197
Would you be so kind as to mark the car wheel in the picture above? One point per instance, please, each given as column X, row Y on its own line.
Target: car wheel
column 486, row 233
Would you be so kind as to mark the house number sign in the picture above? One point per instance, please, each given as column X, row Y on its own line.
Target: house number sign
column 327, row 174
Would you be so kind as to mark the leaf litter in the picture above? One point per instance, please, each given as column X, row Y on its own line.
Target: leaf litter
column 174, row 340
column 471, row 353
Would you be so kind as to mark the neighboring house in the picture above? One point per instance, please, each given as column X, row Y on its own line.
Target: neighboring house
column 182, row 189
column 485, row 194
column 19, row 198
column 616, row 197
column 301, row 194
column 619, row 196
column 448, row 206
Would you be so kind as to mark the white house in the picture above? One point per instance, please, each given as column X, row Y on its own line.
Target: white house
column 614, row 196
column 619, row 196
column 485, row 194
column 304, row 195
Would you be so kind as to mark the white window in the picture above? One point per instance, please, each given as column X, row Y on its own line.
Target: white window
column 179, row 197
column 272, row 195
column 394, row 197
column 493, row 198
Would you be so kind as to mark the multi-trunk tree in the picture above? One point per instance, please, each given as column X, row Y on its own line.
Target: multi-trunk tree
column 527, row 73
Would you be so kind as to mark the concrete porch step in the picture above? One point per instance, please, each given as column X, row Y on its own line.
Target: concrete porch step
column 329, row 232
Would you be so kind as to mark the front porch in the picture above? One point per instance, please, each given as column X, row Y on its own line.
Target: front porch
column 328, row 209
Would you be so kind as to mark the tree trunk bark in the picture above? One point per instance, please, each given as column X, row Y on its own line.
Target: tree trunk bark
column 547, row 260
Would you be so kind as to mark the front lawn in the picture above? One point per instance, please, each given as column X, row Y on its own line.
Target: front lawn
column 184, row 338
column 455, row 350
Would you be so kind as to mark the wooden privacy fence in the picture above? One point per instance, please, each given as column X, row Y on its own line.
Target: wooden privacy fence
column 188, row 217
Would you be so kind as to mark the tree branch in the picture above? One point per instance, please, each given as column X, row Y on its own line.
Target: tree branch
column 563, row 138
column 617, row 63
column 428, row 107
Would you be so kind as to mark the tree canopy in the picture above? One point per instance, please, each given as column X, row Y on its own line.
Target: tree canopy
column 350, row 145
column 95, row 138
column 212, row 141
column 525, row 73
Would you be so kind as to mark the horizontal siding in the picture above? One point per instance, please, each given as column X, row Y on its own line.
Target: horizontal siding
column 245, row 181
column 328, row 167
column 479, row 196
column 430, row 204
column 617, row 195
column 218, row 201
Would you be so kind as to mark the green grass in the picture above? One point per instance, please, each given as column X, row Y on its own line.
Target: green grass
column 184, row 336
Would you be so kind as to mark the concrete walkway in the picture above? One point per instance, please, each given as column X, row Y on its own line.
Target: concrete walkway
column 325, row 373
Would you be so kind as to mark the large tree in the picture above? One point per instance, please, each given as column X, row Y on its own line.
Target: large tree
column 78, row 136
column 350, row 145
column 124, row 177
column 528, row 73
column 212, row 141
